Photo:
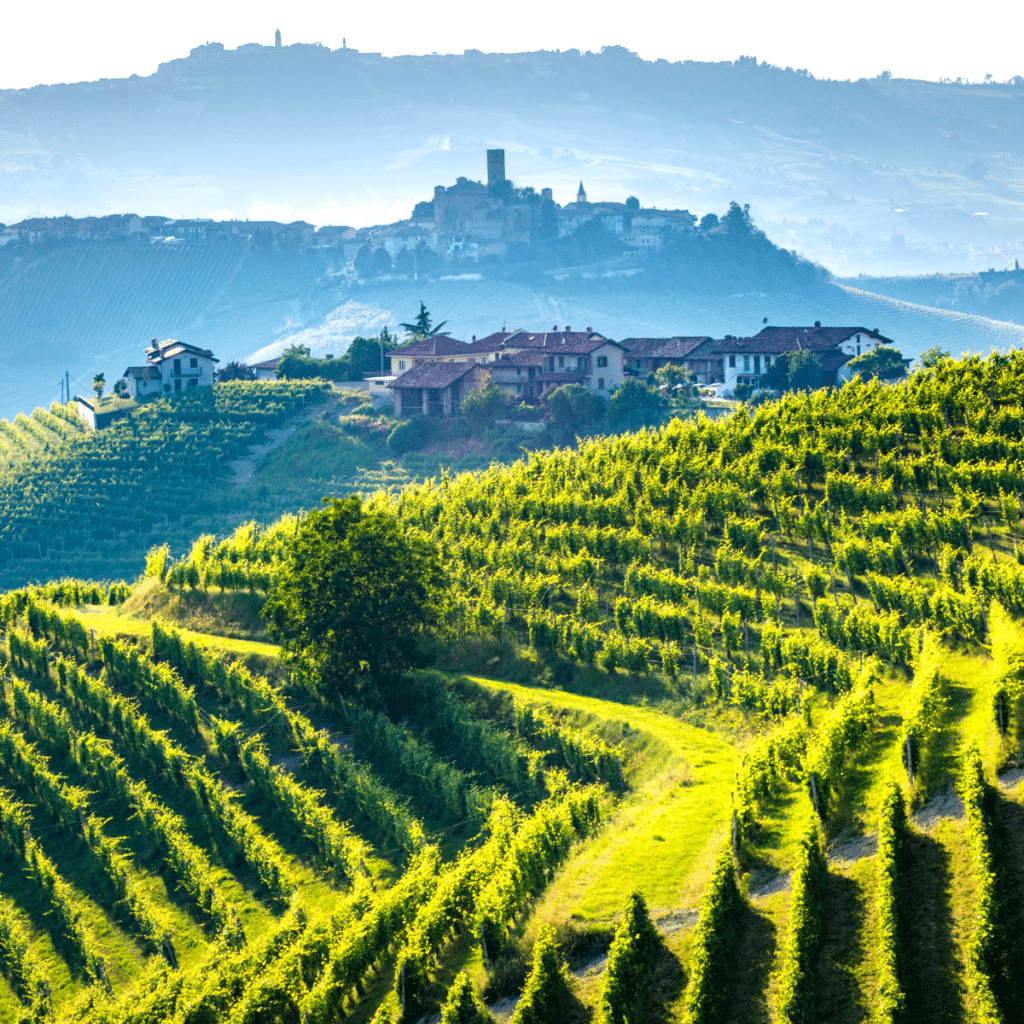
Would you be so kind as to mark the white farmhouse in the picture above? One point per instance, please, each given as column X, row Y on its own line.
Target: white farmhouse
column 172, row 366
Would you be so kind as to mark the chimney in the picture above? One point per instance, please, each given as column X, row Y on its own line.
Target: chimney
column 495, row 166
column 568, row 329
column 546, row 193
column 590, row 330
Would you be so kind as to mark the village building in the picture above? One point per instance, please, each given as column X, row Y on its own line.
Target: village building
column 266, row 370
column 434, row 388
column 745, row 360
column 645, row 355
column 173, row 366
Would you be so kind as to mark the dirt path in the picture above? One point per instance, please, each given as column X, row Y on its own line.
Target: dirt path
column 244, row 468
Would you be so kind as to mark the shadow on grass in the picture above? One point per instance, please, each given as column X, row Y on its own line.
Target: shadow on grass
column 753, row 970
column 840, row 998
column 931, row 967
column 1008, row 848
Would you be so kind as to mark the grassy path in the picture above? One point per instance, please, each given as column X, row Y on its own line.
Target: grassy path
column 108, row 621
column 667, row 829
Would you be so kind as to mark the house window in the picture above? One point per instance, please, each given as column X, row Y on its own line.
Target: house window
column 401, row 364
column 757, row 364
column 746, row 364
column 177, row 366
column 519, row 371
column 600, row 383
column 732, row 362
column 561, row 361
column 602, row 362
column 858, row 350
column 193, row 363
column 177, row 383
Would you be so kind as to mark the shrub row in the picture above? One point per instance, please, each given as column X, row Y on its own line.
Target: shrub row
column 630, row 961
column 70, row 805
column 66, row 906
column 796, row 997
column 586, row 755
column 22, row 967
column 892, row 824
column 707, row 996
column 50, row 723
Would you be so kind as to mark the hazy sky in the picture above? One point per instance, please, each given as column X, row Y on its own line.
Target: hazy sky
column 68, row 41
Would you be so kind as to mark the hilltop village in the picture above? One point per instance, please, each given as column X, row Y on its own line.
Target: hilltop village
column 469, row 220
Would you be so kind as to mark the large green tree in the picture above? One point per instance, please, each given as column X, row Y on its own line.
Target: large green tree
column 884, row 362
column 793, row 371
column 421, row 327
column 355, row 595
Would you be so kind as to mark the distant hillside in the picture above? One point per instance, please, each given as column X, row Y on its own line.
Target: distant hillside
column 995, row 294
column 883, row 175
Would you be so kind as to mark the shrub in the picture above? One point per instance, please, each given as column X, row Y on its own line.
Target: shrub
column 629, row 963
column 547, row 988
column 462, row 1005
column 410, row 435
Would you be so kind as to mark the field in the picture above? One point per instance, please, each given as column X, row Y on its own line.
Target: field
column 765, row 672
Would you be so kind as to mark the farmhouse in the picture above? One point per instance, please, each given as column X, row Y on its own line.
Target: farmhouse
column 435, row 388
column 173, row 366
column 650, row 354
column 746, row 359
column 267, row 370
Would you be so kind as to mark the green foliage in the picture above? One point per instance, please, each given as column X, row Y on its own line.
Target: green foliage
column 931, row 357
column 889, row 953
column 575, row 409
column 353, row 597
column 462, row 1005
column 797, row 996
column 546, row 986
column 928, row 703
column 410, row 435
column 835, row 740
column 883, row 362
column 986, row 967
column 793, row 371
column 635, row 405
column 421, row 326
column 707, row 997
column 630, row 961
column 485, row 404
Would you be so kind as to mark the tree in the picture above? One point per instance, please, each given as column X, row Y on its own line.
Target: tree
column 99, row 382
column 121, row 388
column 235, row 371
column 485, row 404
column 353, row 599
column 709, row 222
column 361, row 260
column 793, row 371
column 632, row 203
column 737, row 219
column 884, row 362
column 364, row 354
column 933, row 356
column 462, row 1005
column 546, row 992
column 574, row 408
column 421, row 328
column 673, row 374
column 634, row 404
column 380, row 262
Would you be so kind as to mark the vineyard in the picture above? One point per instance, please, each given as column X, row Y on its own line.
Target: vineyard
column 72, row 498
column 726, row 723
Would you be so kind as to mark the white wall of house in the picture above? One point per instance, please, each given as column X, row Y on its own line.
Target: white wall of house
column 859, row 343
column 186, row 371
column 604, row 379
column 744, row 364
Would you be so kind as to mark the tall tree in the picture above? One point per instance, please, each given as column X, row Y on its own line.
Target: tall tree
column 421, row 327
column 353, row 599
column 99, row 382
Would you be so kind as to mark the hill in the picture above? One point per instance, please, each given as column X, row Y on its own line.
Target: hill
column 884, row 174
column 738, row 664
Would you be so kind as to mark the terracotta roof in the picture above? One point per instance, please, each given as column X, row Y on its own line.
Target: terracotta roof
column 528, row 357
column 267, row 364
column 562, row 342
column 169, row 347
column 664, row 348
column 143, row 372
column 831, row 361
column 439, row 345
column 814, row 338
column 429, row 374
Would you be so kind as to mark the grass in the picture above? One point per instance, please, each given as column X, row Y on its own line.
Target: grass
column 664, row 835
column 112, row 621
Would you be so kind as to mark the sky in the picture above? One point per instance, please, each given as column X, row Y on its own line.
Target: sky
column 68, row 41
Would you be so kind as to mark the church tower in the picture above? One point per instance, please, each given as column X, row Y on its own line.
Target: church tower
column 277, row 38
column 581, row 196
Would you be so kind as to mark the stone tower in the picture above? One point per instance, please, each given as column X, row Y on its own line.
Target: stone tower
column 495, row 166
column 581, row 196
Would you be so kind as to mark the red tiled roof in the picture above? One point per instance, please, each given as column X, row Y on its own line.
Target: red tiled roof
column 814, row 338
column 430, row 374
column 664, row 348
column 143, row 372
column 439, row 345
column 267, row 364
column 528, row 357
column 562, row 342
